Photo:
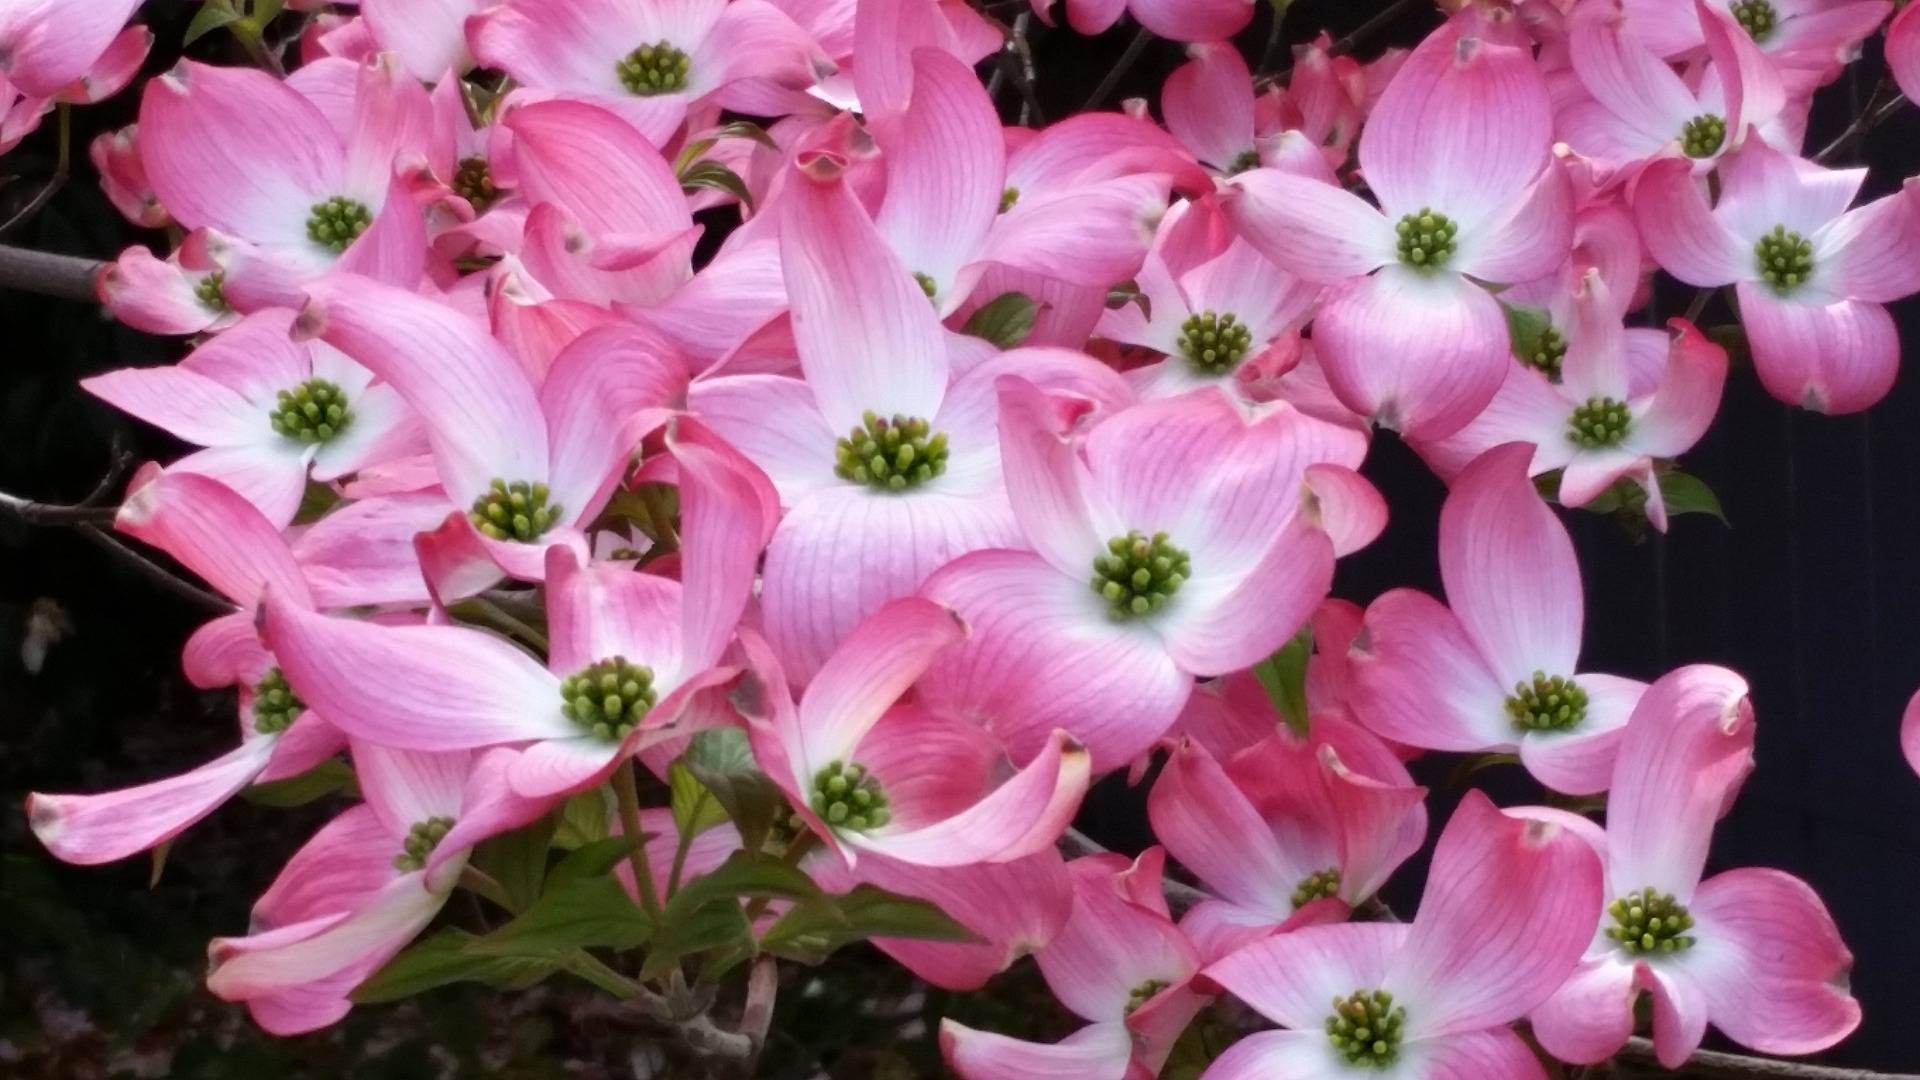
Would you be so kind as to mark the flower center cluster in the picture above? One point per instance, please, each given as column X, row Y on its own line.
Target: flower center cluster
column 1786, row 258
column 653, row 69
column 926, row 282
column 1213, row 343
column 1547, row 704
column 1703, row 136
column 313, row 412
column 516, row 511
column 1758, row 17
column 473, row 181
column 1365, row 1028
column 212, row 293
column 1648, row 922
column 1137, row 573
column 1248, row 159
column 846, row 796
column 608, row 697
column 1317, row 887
column 1144, row 993
column 275, row 705
column 1426, row 239
column 422, row 838
column 891, row 455
column 1009, row 197
column 1548, row 355
column 1600, row 422
column 338, row 222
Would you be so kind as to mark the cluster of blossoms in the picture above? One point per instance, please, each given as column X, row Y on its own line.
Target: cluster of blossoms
column 972, row 463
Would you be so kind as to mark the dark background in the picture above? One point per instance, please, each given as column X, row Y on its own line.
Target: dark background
column 1812, row 592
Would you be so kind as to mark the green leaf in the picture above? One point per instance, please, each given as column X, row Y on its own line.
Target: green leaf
column 326, row 778
column 443, row 959
column 811, row 931
column 1280, row 8
column 1128, row 292
column 1685, row 493
column 591, row 860
column 695, row 810
column 743, row 875
column 212, row 15
column 263, row 12
column 715, row 926
column 315, row 502
column 593, row 912
column 518, row 861
column 584, row 818
column 1525, row 325
column 1284, row 677
column 1005, row 320
column 739, row 129
column 717, row 177
column 722, row 760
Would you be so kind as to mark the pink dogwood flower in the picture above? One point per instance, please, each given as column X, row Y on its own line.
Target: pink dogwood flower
column 286, row 197
column 1641, row 108
column 1290, row 832
column 164, row 296
column 1612, row 403
column 270, row 412
column 22, row 109
column 1121, row 964
column 1177, row 539
column 116, row 157
column 1903, row 51
column 885, row 456
column 1176, row 20
column 1809, row 40
column 223, row 539
column 630, row 651
column 1752, row 951
column 46, row 46
column 429, row 36
column 1810, row 275
column 903, row 782
column 1458, row 154
column 1495, row 670
column 650, row 61
column 1500, row 925
column 366, row 884
column 1210, row 107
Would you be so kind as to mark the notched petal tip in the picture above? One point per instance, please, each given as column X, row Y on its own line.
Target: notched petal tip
column 821, row 166
column 311, row 322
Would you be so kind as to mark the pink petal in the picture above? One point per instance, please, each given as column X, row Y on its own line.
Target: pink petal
column 1774, row 969
column 885, row 37
column 1279, row 1055
column 556, row 767
column 1293, row 978
column 1640, row 91
column 1689, row 395
column 405, row 787
column 1679, row 1014
column 1874, row 252
column 565, row 44
column 93, row 829
column 1580, row 761
column 216, row 534
column 415, row 687
column 604, row 610
column 1025, row 815
column 1208, row 104
column 1764, row 187
column 1830, row 358
column 482, row 417
column 931, row 765
column 1217, row 627
column 773, row 420
column 603, row 393
column 429, row 37
column 224, row 651
column 153, row 296
column 1530, row 242
column 1109, row 947
column 1091, row 235
column 272, row 476
column 1044, row 475
column 1193, row 20
column 1043, row 655
column 1750, row 81
column 1099, row 1052
column 1473, row 1054
column 1420, row 353
column 1208, row 824
column 1510, row 906
column 1681, row 234
column 727, row 513
column 234, row 149
column 185, row 403
column 1910, row 732
column 1590, row 1017
column 1464, row 127
column 868, row 339
column 1349, row 509
column 946, row 169
column 1311, row 228
column 47, row 46
column 1419, row 679
column 1380, row 825
column 868, row 673
column 1903, row 52
column 1688, row 747
column 1509, row 568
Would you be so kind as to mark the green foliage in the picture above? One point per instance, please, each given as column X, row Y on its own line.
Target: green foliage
column 811, row 931
column 330, row 777
column 1006, row 320
column 1284, row 677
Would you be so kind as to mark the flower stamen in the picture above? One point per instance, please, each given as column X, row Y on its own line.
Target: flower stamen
column 1650, row 921
column 1427, row 239
column 1599, row 422
column 1547, row 704
column 1703, row 136
column 313, row 412
column 609, row 697
column 1214, row 343
column 846, row 796
column 1785, row 258
column 516, row 511
column 421, row 839
column 891, row 455
column 275, row 705
column 338, row 222
column 1365, row 1028
column 1137, row 573
column 655, row 69
column 1317, row 886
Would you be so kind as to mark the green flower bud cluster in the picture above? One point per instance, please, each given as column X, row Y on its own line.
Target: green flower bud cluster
column 1547, row 704
column 422, row 838
column 1703, row 136
column 1757, row 17
column 473, row 181
column 516, row 511
column 313, row 412
column 846, row 796
column 1548, row 356
column 212, row 293
column 275, row 705
column 1317, row 887
column 1007, row 198
column 1248, row 159
column 1137, row 573
column 1785, row 258
column 337, row 222
column 891, row 455
column 1650, row 922
column 1214, row 344
column 926, row 282
column 1599, row 422
column 1144, row 993
column 1427, row 239
column 654, row 69
column 608, row 698
column 1365, row 1027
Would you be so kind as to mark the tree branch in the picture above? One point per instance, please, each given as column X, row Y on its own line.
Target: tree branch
column 64, row 277
column 1711, row 1065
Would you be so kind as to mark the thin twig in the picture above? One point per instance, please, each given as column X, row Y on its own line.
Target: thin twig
column 1273, row 40
column 38, row 513
column 627, row 794
column 763, row 986
column 1025, row 75
column 1870, row 117
column 1372, row 26
column 1710, row 1065
column 1120, row 68
column 63, row 277
column 154, row 572
column 55, row 182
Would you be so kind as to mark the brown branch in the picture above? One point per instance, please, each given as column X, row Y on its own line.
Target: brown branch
column 1119, row 71
column 61, row 166
column 64, row 277
column 1711, row 1065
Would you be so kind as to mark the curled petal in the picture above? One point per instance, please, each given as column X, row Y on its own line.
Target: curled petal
column 1832, row 358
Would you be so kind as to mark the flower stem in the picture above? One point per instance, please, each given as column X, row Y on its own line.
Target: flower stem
column 626, row 792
